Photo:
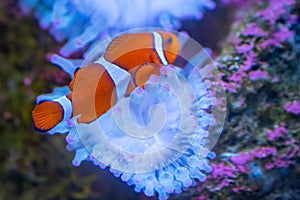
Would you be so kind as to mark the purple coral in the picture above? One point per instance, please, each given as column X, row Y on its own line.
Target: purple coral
column 244, row 48
column 258, row 74
column 279, row 132
column 254, row 30
column 221, row 170
column 242, row 158
column 293, row 107
column 274, row 10
column 254, row 38
column 264, row 152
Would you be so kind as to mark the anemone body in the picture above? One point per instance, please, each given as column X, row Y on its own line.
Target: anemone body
column 159, row 138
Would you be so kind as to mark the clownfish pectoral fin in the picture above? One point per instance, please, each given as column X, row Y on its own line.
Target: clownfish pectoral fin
column 130, row 89
column 47, row 115
column 142, row 74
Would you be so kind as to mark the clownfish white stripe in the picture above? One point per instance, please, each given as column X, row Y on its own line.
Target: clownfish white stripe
column 158, row 45
column 120, row 76
column 67, row 106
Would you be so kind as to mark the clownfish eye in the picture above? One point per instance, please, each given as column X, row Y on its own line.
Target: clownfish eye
column 169, row 41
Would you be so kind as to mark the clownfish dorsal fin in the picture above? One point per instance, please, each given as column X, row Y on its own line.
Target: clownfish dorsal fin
column 131, row 50
column 71, row 85
column 47, row 115
column 117, row 47
column 116, row 43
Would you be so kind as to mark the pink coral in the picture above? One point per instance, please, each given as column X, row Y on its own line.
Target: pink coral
column 250, row 60
column 275, row 9
column 280, row 36
column 230, row 87
column 222, row 170
column 283, row 34
column 270, row 42
column 254, row 30
column 244, row 48
column 202, row 197
column 293, row 19
column 278, row 132
column 224, row 183
column 282, row 161
column 237, row 76
column 238, row 189
column 263, row 152
column 258, row 74
column 242, row 158
column 293, row 107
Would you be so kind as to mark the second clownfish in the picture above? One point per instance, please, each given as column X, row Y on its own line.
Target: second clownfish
column 94, row 90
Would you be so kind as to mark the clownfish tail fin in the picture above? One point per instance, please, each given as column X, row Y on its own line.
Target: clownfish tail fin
column 47, row 115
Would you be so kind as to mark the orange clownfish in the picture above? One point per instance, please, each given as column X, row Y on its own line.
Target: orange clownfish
column 92, row 94
column 96, row 88
column 142, row 52
column 129, row 51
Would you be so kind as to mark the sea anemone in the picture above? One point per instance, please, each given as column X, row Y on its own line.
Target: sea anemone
column 159, row 138
column 84, row 22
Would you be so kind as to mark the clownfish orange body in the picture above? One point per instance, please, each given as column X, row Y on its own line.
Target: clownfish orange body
column 138, row 54
column 129, row 51
column 92, row 94
column 94, row 90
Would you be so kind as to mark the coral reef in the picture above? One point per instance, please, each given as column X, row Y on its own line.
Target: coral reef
column 259, row 148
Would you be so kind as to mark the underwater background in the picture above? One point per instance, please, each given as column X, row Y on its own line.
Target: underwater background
column 256, row 47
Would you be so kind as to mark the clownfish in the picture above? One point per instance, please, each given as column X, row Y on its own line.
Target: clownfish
column 94, row 89
column 129, row 51
column 141, row 74
column 134, row 51
column 92, row 94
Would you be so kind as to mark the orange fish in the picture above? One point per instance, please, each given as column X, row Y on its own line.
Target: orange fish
column 141, row 74
column 92, row 94
column 129, row 51
column 141, row 52
column 94, row 90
